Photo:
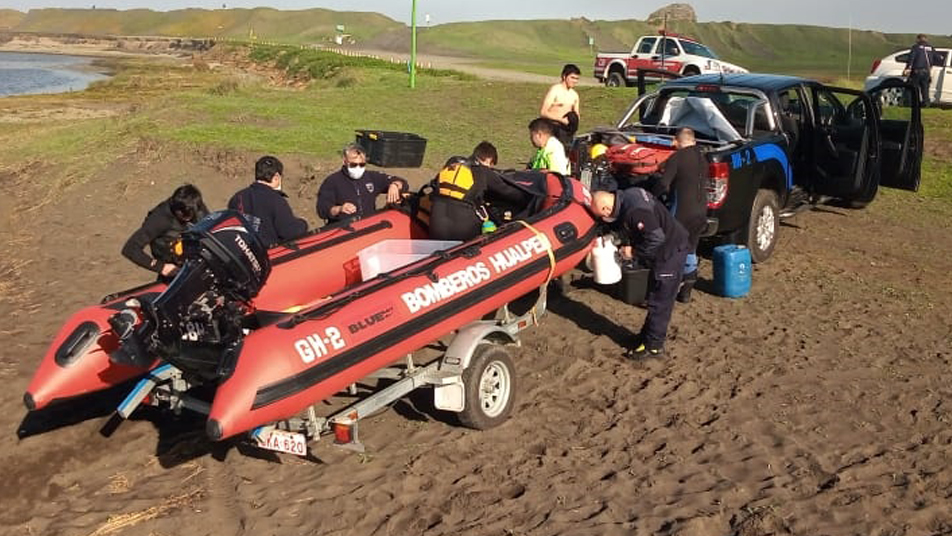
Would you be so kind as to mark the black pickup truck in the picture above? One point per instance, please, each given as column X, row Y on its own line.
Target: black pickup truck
column 775, row 145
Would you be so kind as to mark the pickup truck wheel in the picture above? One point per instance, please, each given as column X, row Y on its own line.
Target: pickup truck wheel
column 764, row 225
column 489, row 387
column 615, row 79
column 691, row 71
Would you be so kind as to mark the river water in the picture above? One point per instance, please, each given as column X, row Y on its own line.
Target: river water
column 23, row 74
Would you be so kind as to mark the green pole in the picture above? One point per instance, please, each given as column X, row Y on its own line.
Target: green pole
column 413, row 46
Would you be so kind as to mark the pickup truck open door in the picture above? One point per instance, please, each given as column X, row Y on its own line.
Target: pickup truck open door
column 846, row 144
column 899, row 117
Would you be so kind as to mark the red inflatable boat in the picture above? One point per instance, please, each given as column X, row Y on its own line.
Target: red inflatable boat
column 77, row 362
column 222, row 321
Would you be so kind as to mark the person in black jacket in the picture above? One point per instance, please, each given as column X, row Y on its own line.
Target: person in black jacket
column 660, row 243
column 161, row 230
column 352, row 191
column 267, row 205
column 919, row 67
column 683, row 184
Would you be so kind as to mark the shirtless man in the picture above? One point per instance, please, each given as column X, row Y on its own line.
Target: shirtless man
column 561, row 105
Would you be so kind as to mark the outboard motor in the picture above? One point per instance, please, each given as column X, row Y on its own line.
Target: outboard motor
column 197, row 323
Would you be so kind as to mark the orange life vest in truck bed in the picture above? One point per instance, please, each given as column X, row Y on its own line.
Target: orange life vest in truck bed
column 637, row 159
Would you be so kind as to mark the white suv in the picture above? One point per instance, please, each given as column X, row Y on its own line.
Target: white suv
column 891, row 67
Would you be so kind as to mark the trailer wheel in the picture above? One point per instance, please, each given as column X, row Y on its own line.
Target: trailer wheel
column 489, row 388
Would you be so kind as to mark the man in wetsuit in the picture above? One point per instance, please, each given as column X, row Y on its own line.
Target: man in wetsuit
column 458, row 210
column 683, row 182
column 352, row 191
column 485, row 154
column 660, row 243
column 268, row 205
column 162, row 228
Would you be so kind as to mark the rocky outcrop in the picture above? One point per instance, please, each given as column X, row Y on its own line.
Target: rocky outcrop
column 675, row 12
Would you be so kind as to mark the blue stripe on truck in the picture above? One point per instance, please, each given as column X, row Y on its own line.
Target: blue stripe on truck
column 762, row 153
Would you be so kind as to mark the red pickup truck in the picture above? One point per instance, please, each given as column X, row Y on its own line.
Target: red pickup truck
column 665, row 52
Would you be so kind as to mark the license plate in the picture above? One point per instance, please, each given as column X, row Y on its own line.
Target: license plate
column 288, row 442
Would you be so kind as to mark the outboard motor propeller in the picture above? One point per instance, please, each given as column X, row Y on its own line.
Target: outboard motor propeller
column 197, row 321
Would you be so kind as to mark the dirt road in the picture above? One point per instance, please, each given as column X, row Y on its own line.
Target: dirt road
column 473, row 67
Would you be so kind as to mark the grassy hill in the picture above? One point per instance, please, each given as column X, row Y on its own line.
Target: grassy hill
column 537, row 46
column 306, row 26
column 542, row 45
column 10, row 18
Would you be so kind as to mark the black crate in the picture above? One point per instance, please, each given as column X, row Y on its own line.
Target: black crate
column 392, row 149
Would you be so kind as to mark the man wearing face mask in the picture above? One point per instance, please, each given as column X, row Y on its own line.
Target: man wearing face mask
column 268, row 205
column 352, row 191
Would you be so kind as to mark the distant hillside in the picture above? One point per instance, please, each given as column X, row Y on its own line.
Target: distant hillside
column 307, row 26
column 9, row 18
column 760, row 47
column 539, row 45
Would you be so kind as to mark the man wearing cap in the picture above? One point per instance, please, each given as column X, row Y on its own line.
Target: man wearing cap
column 352, row 191
column 660, row 243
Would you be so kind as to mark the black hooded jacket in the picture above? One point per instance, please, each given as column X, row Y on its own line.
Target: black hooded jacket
column 159, row 231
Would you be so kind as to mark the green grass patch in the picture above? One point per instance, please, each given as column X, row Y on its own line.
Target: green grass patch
column 453, row 115
column 310, row 64
column 180, row 104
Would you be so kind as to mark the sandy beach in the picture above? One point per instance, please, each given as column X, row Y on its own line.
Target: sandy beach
column 816, row 406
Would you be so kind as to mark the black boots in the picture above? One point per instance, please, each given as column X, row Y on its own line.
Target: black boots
column 687, row 285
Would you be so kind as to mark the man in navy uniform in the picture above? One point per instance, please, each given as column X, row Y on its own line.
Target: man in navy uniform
column 660, row 243
column 352, row 191
column 919, row 67
column 268, row 205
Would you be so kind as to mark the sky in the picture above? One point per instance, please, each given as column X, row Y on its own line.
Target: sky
column 929, row 16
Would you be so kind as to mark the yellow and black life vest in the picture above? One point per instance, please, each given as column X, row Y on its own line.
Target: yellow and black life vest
column 457, row 181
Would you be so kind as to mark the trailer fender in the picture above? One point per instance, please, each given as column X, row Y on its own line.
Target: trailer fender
column 461, row 350
column 449, row 392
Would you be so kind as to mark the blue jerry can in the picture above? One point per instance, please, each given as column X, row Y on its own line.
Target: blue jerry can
column 732, row 271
